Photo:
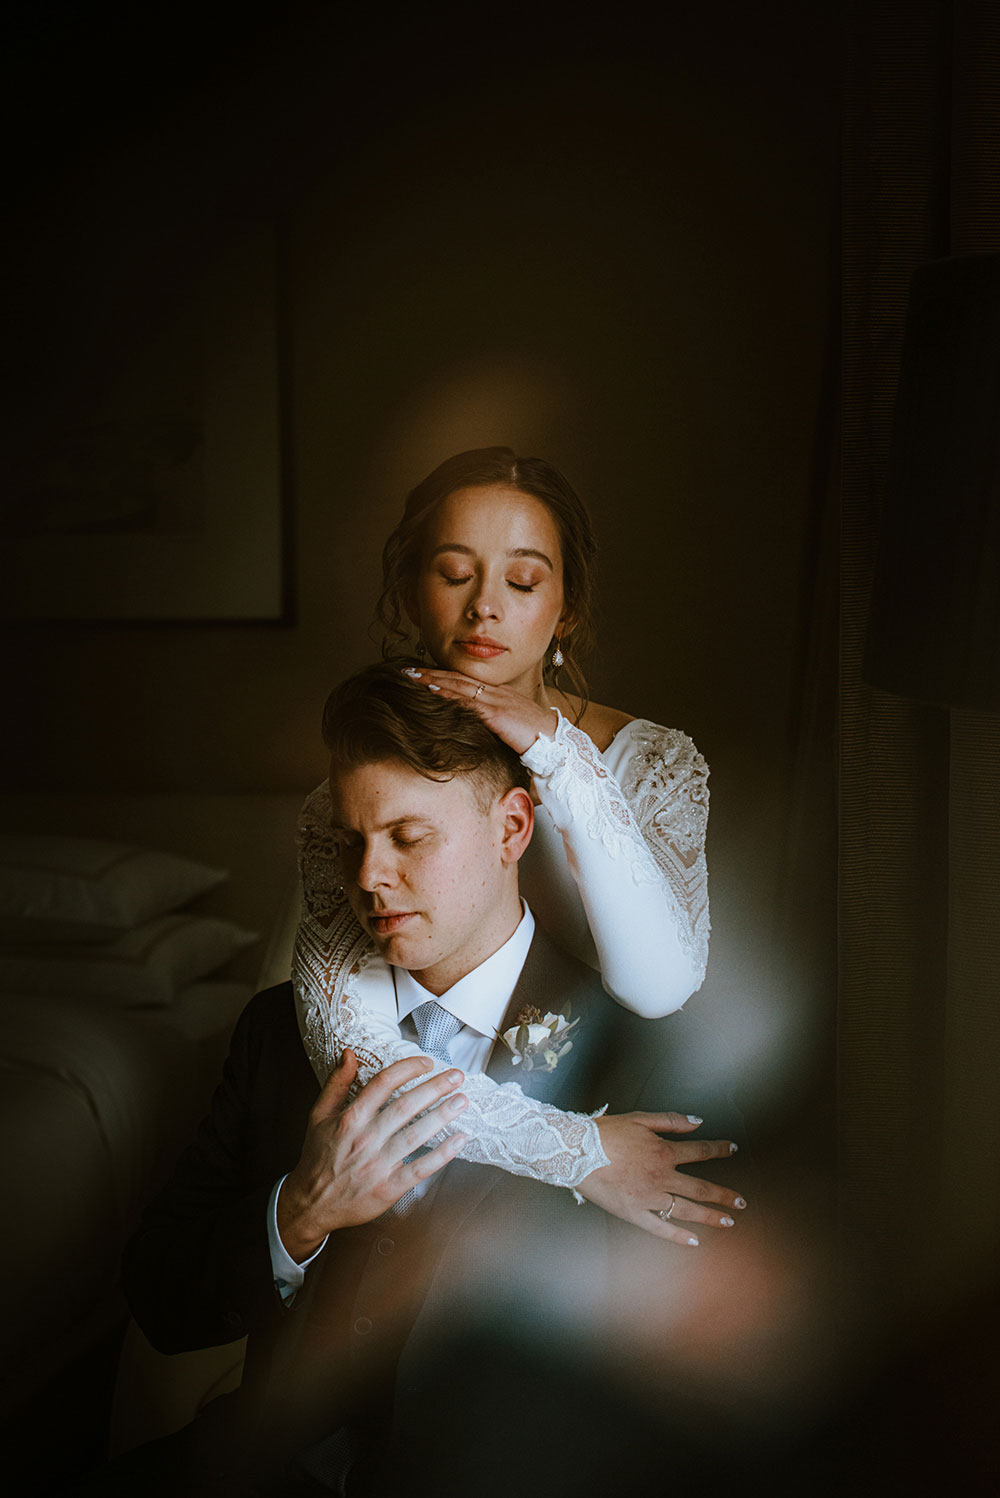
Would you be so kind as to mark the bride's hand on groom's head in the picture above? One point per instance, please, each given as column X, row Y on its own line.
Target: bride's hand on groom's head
column 515, row 719
column 642, row 1183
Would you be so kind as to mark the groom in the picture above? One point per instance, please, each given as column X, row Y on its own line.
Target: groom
column 275, row 1223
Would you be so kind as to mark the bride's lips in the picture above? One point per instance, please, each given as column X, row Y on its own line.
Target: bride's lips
column 481, row 647
column 388, row 922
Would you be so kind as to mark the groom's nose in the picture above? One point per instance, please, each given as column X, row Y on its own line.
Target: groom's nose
column 377, row 868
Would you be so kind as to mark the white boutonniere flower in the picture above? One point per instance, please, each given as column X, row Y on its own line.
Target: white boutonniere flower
column 540, row 1040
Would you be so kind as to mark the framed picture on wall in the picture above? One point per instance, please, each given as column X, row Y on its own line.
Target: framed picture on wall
column 165, row 497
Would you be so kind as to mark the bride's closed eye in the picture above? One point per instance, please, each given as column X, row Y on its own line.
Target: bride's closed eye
column 456, row 582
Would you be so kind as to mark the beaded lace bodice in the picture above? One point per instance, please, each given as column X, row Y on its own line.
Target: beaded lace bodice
column 633, row 848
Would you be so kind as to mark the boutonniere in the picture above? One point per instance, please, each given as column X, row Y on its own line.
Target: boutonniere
column 540, row 1040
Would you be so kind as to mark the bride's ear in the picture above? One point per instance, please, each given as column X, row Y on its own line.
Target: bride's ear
column 566, row 626
column 518, row 819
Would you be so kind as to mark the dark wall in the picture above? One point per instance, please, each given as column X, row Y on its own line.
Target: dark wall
column 603, row 240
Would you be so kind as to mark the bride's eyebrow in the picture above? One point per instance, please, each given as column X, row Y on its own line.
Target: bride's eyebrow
column 526, row 551
column 452, row 546
column 518, row 551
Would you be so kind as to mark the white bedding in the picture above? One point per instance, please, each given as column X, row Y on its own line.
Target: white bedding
column 95, row 1104
column 118, row 1067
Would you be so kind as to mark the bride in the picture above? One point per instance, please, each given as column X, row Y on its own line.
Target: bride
column 491, row 564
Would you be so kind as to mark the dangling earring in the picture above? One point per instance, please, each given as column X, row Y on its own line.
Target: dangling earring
column 557, row 656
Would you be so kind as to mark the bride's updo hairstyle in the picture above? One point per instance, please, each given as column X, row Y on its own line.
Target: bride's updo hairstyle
column 403, row 552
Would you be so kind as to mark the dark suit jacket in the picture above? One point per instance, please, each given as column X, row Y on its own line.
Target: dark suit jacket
column 383, row 1300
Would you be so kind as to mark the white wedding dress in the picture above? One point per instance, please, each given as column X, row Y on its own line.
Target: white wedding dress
column 615, row 872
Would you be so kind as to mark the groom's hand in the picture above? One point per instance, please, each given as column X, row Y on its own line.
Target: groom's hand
column 353, row 1162
column 643, row 1185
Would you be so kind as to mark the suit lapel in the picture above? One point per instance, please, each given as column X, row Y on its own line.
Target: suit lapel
column 548, row 979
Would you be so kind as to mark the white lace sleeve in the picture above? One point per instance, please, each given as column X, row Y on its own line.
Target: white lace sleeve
column 336, row 975
column 637, row 854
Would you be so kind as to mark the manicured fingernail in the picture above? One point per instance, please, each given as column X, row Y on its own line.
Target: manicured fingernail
column 739, row 1202
column 432, row 687
column 693, row 1118
column 692, row 1243
column 412, row 671
column 454, row 1077
column 728, row 1222
column 456, row 1104
column 454, row 1142
column 733, row 1148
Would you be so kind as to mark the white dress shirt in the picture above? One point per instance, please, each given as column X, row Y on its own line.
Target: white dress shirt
column 480, row 1001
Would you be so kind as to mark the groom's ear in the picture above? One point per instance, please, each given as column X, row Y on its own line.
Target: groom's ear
column 517, row 816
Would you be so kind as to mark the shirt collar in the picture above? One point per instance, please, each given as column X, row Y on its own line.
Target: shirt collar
column 479, row 999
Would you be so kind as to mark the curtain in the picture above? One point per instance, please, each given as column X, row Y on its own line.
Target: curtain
column 919, row 818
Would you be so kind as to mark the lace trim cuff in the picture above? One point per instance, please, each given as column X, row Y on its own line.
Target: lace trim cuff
column 592, row 1156
column 547, row 754
column 526, row 1137
column 596, row 1153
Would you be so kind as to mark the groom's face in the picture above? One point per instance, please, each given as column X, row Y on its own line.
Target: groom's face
column 427, row 870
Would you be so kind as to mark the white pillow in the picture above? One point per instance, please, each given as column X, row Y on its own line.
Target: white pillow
column 207, row 1010
column 146, row 966
column 85, row 889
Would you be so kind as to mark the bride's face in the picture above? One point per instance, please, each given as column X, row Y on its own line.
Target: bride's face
column 489, row 594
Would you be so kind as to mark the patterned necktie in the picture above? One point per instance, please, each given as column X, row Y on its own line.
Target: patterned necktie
column 436, row 1029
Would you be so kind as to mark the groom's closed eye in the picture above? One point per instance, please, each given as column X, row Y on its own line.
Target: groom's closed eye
column 405, row 834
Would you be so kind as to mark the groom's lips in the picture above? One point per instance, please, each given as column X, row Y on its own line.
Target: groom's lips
column 388, row 922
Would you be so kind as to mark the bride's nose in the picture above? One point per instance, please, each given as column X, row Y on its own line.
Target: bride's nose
column 482, row 606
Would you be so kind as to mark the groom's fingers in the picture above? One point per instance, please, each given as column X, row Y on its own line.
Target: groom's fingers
column 334, row 1092
column 427, row 1164
column 417, row 1132
column 393, row 1125
column 376, row 1093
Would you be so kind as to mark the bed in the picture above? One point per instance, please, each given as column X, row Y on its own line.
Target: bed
column 114, row 1021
